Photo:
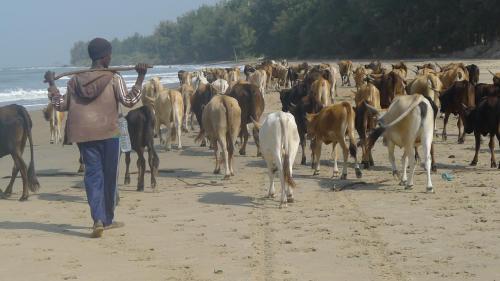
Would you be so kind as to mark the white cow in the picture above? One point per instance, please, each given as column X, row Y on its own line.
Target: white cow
column 220, row 86
column 279, row 143
column 259, row 79
column 409, row 122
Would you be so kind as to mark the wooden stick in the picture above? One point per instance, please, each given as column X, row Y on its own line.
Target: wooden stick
column 113, row 69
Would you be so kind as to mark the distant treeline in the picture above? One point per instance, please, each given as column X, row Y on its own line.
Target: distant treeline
column 312, row 29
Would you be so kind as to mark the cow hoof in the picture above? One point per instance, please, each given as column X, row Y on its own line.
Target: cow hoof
column 434, row 168
column 335, row 174
column 473, row 163
column 430, row 189
column 7, row 194
column 403, row 183
column 290, row 199
column 140, row 188
column 303, row 161
column 359, row 174
column 203, row 144
column 259, row 154
column 271, row 195
column 461, row 141
column 316, row 173
column 409, row 187
column 226, row 177
column 283, row 205
column 217, row 171
column 51, row 142
column 395, row 174
column 126, row 181
column 493, row 165
column 153, row 186
column 23, row 198
column 366, row 165
column 243, row 152
column 343, row 177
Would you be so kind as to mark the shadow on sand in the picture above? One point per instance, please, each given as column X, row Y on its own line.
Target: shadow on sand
column 227, row 198
column 64, row 229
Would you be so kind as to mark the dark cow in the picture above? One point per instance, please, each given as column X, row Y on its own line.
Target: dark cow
column 251, row 101
column 141, row 128
column 295, row 72
column 390, row 86
column 364, row 122
column 473, row 73
column 375, row 66
column 15, row 128
column 484, row 120
column 483, row 90
column 461, row 92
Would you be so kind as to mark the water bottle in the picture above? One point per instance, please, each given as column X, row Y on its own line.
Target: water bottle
column 125, row 145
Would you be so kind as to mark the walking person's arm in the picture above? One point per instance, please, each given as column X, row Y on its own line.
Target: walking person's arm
column 59, row 101
column 132, row 97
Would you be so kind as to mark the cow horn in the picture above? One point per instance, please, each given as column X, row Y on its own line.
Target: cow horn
column 491, row 72
column 437, row 64
column 371, row 108
column 415, row 71
column 255, row 123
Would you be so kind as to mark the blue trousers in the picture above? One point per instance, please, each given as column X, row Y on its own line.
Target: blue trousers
column 101, row 171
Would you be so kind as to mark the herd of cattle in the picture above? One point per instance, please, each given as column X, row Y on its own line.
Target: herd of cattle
column 226, row 102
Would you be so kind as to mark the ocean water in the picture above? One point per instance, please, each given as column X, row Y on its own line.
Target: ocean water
column 24, row 85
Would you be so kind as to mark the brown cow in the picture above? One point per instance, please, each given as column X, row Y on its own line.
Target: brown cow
column 400, row 69
column 330, row 126
column 461, row 92
column 390, row 86
column 359, row 76
column 185, row 77
column 187, row 92
column 252, row 105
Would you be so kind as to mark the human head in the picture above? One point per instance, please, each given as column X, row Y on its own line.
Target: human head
column 100, row 50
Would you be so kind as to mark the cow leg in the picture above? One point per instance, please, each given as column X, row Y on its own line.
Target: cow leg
column 345, row 153
column 216, row 152
column 433, row 160
column 279, row 163
column 445, row 122
column 404, row 164
column 270, row 171
column 303, row 146
column 477, row 137
column 392, row 159
column 81, row 168
column 335, row 166
column 427, row 147
column 255, row 132
column 316, row 155
column 8, row 190
column 245, row 134
column 223, row 143
column 461, row 132
column 52, row 132
column 492, row 151
column 168, row 137
column 192, row 121
column 410, row 151
column 370, row 158
column 179, row 132
column 127, row 166
column 153, row 164
column 19, row 162
column 158, row 131
column 141, row 166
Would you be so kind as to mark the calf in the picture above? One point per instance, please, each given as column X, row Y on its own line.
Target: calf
column 252, row 105
column 141, row 126
column 484, row 120
column 461, row 92
column 15, row 128
column 279, row 142
column 408, row 123
column 55, row 119
column 331, row 125
column 221, row 124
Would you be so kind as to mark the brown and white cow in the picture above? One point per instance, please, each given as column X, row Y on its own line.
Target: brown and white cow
column 345, row 69
column 55, row 119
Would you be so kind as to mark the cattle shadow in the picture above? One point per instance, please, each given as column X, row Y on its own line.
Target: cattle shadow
column 62, row 197
column 196, row 153
column 257, row 163
column 179, row 173
column 227, row 198
column 48, row 173
column 63, row 229
column 336, row 184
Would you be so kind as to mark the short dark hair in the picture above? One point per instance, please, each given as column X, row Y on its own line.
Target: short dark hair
column 99, row 48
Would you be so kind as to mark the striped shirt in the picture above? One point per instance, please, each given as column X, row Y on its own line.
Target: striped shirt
column 127, row 98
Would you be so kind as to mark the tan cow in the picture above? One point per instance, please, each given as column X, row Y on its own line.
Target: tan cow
column 259, row 79
column 330, row 126
column 221, row 124
column 401, row 69
column 187, row 92
column 345, row 69
column 55, row 119
column 320, row 93
column 359, row 76
column 169, row 107
column 185, row 77
column 234, row 75
column 451, row 73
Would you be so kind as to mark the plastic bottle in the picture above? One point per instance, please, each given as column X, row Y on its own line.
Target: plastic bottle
column 125, row 145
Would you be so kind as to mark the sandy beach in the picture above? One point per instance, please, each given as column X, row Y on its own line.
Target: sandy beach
column 199, row 227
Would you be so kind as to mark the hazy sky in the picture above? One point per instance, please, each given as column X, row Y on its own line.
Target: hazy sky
column 41, row 33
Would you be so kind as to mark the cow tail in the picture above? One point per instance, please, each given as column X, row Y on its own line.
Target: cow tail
column 350, row 130
column 177, row 122
column 33, row 184
column 287, row 169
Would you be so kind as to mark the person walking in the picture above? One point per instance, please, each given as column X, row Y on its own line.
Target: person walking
column 92, row 101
